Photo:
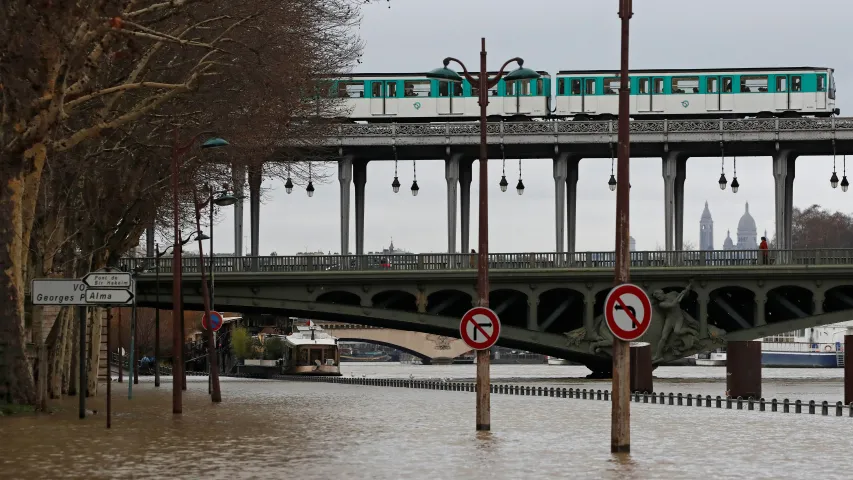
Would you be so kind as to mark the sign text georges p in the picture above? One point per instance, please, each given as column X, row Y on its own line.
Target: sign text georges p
column 628, row 312
column 480, row 328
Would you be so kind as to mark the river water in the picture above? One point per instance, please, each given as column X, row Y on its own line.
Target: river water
column 295, row 430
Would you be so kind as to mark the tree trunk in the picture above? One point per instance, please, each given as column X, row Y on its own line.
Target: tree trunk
column 96, row 325
column 16, row 378
column 73, row 355
column 56, row 353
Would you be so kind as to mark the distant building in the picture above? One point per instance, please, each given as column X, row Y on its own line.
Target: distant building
column 747, row 234
column 706, row 230
column 391, row 250
column 632, row 244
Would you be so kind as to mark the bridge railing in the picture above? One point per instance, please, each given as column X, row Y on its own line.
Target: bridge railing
column 467, row 261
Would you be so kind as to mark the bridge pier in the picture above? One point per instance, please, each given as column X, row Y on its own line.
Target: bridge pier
column 743, row 369
column 560, row 204
column 238, row 179
column 255, row 178
column 451, row 174
column 359, row 178
column 465, row 175
column 149, row 242
column 345, row 179
column 674, row 175
column 783, row 174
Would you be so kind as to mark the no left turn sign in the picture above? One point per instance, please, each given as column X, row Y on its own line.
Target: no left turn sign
column 628, row 312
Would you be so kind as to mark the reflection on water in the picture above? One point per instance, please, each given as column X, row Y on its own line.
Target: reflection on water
column 272, row 429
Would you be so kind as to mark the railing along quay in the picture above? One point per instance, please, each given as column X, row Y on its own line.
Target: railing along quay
column 675, row 399
column 514, row 261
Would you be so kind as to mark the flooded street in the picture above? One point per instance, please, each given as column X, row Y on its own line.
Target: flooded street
column 274, row 429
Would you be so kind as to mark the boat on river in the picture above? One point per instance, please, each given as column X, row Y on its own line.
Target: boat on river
column 310, row 350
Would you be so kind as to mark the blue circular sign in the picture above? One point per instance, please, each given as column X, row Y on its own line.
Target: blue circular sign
column 216, row 321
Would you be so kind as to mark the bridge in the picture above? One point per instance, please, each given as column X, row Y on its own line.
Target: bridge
column 432, row 349
column 549, row 303
column 566, row 142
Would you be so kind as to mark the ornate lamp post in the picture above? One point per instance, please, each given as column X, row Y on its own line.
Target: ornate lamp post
column 483, row 83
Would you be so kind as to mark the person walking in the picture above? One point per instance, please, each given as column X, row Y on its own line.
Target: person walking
column 473, row 259
column 765, row 253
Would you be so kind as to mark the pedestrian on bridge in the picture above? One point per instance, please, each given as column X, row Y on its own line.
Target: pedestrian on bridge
column 473, row 258
column 765, row 253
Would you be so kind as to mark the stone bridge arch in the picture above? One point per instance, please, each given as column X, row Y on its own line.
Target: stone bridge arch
column 430, row 348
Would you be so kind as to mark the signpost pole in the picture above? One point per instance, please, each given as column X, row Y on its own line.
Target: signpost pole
column 81, row 392
column 120, row 356
column 483, row 356
column 109, row 366
column 130, row 371
column 620, row 422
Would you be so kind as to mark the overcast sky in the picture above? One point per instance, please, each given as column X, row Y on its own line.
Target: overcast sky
column 553, row 35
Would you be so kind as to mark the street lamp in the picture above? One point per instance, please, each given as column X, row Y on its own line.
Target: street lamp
column 177, row 265
column 484, row 83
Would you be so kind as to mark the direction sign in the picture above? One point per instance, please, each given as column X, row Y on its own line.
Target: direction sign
column 480, row 328
column 58, row 291
column 107, row 279
column 628, row 312
column 217, row 321
column 108, row 296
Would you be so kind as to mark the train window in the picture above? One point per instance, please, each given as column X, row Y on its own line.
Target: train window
column 727, row 84
column 590, row 86
column 831, row 86
column 713, row 85
column 658, row 84
column 576, row 86
column 443, row 89
column 685, row 85
column 781, row 84
column 753, row 84
column 540, row 86
column 796, row 83
column 510, row 89
column 644, row 86
column 350, row 89
column 611, row 86
column 821, row 83
column 457, row 89
column 561, row 84
column 391, row 90
column 524, row 87
column 416, row 89
column 376, row 89
column 493, row 92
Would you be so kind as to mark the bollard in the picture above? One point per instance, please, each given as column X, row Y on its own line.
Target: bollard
column 689, row 400
column 606, row 395
column 739, row 403
column 654, row 398
column 563, row 392
column 637, row 397
column 786, row 406
column 539, row 391
column 698, row 400
column 552, row 392
column 838, row 409
column 824, row 408
column 798, row 407
column 811, row 407
column 761, row 405
column 750, row 404
column 729, row 403
column 774, row 405
column 679, row 399
column 662, row 398
column 671, row 398
column 583, row 392
column 598, row 394
column 719, row 402
column 645, row 397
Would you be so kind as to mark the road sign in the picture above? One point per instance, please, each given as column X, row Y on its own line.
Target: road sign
column 628, row 312
column 58, row 291
column 107, row 280
column 217, row 321
column 109, row 296
column 480, row 328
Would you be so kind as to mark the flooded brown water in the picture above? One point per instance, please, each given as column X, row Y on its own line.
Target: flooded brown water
column 284, row 430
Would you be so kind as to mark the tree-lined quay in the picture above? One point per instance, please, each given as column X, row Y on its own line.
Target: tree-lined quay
column 464, row 261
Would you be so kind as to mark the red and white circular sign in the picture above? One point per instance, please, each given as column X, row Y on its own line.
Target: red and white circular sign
column 628, row 312
column 480, row 328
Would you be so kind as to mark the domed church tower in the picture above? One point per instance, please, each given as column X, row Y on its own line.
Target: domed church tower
column 747, row 233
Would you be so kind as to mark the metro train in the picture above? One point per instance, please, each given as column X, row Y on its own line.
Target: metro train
column 593, row 95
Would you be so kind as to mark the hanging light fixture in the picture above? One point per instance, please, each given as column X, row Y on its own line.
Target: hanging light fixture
column 415, row 187
column 833, row 180
column 612, row 182
column 503, row 183
column 723, row 180
column 310, row 187
column 735, row 183
column 288, row 185
column 844, row 183
column 395, row 185
column 520, row 187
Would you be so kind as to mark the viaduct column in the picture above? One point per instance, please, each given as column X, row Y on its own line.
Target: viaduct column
column 674, row 174
column 238, row 179
column 465, row 167
column 560, row 184
column 572, row 163
column 255, row 177
column 359, row 178
column 783, row 174
column 149, row 241
column 345, row 179
column 451, row 174
column 533, row 312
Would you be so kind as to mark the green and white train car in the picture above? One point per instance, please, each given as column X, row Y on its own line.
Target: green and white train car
column 698, row 93
column 408, row 97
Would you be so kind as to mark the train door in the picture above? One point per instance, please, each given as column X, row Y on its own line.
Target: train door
column 718, row 93
column 523, row 95
column 657, row 99
column 575, row 94
column 820, row 93
column 511, row 96
column 582, row 96
column 644, row 94
column 727, row 95
column 788, row 94
column 457, row 99
column 383, row 96
column 450, row 99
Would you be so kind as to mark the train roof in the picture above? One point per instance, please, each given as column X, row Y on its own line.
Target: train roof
column 403, row 74
column 691, row 70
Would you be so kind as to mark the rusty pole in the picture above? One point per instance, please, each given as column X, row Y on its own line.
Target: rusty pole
column 620, row 422
column 483, row 356
column 109, row 365
column 177, row 270
column 120, row 356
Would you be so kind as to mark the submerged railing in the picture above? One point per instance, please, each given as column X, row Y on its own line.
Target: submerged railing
column 499, row 261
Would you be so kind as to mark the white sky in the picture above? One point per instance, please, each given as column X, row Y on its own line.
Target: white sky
column 414, row 35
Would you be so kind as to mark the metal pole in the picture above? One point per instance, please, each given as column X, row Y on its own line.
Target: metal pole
column 177, row 361
column 216, row 395
column 483, row 360
column 209, row 381
column 157, row 316
column 620, row 421
column 120, row 356
column 131, row 381
column 135, row 342
column 109, row 366
column 81, row 392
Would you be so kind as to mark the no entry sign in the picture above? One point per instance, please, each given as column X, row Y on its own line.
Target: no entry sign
column 480, row 328
column 628, row 312
column 216, row 323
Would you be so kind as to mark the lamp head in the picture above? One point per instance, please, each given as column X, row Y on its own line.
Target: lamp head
column 504, row 184
column 214, row 142
column 225, row 200
column 395, row 185
column 521, row 73
column 288, row 185
column 415, row 188
column 310, row 189
column 612, row 182
column 444, row 73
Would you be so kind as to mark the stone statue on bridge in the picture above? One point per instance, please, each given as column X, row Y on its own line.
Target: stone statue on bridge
column 673, row 334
